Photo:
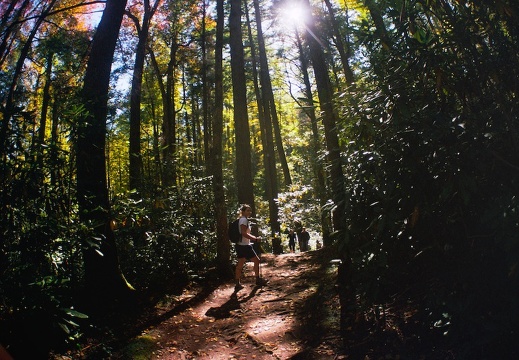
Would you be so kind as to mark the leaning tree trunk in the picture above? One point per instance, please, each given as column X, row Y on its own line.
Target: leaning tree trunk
column 10, row 23
column 267, row 140
column 268, row 98
column 344, row 52
column 324, row 90
column 317, row 164
column 104, row 279
column 380, row 28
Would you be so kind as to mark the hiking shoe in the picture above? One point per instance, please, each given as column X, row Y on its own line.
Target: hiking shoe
column 261, row 282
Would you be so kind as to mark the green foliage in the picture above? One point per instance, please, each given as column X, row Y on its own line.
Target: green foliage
column 299, row 206
column 40, row 279
column 164, row 241
column 431, row 178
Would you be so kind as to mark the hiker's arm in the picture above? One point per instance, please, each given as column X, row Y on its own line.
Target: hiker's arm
column 247, row 234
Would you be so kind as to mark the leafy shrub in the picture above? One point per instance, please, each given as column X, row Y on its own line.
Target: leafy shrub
column 39, row 284
column 299, row 206
column 164, row 241
column 432, row 209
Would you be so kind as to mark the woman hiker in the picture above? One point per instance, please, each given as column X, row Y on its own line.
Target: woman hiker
column 244, row 249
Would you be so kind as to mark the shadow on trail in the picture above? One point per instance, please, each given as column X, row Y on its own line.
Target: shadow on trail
column 224, row 311
column 154, row 321
column 318, row 316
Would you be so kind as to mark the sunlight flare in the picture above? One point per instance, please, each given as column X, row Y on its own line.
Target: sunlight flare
column 292, row 15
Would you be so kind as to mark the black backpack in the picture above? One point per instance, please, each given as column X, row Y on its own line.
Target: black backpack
column 234, row 231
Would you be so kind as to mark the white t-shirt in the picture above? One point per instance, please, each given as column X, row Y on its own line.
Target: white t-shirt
column 244, row 221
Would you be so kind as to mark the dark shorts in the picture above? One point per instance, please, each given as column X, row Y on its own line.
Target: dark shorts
column 245, row 251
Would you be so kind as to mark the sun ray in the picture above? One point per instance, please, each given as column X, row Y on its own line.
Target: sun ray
column 292, row 15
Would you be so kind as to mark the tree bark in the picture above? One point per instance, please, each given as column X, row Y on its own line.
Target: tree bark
column 325, row 94
column 104, row 279
column 223, row 247
column 341, row 47
column 135, row 161
column 317, row 166
column 169, row 129
column 241, row 119
column 268, row 98
column 267, row 141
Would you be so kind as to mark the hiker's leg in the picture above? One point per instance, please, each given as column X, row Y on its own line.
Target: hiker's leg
column 259, row 281
column 239, row 269
column 256, row 266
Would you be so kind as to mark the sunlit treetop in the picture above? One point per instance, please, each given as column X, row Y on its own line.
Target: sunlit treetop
column 78, row 16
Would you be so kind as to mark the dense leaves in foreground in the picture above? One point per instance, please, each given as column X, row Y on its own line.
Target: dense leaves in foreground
column 432, row 178
column 161, row 243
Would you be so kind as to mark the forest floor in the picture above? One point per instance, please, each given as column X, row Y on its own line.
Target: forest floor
column 294, row 316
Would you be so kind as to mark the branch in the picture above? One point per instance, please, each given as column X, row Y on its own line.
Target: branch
column 505, row 162
column 57, row 11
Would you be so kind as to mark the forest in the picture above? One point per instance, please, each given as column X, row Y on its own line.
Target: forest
column 132, row 130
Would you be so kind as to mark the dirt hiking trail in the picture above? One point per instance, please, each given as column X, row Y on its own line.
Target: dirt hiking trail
column 295, row 316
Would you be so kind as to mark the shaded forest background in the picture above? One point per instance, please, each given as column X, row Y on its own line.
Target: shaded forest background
column 388, row 128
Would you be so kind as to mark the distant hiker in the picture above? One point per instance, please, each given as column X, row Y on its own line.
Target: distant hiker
column 318, row 244
column 304, row 238
column 244, row 249
column 292, row 240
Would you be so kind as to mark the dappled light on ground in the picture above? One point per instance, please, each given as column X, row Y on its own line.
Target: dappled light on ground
column 277, row 321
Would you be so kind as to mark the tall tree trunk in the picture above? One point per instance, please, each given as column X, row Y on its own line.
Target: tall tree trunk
column 324, row 90
column 241, row 118
column 346, row 287
column 169, row 129
column 167, row 91
column 45, row 99
column 156, row 132
column 317, row 166
column 268, row 97
column 43, row 120
column 55, row 170
column 267, row 140
column 379, row 23
column 341, row 47
column 104, row 279
column 205, row 86
column 223, row 247
column 135, row 161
